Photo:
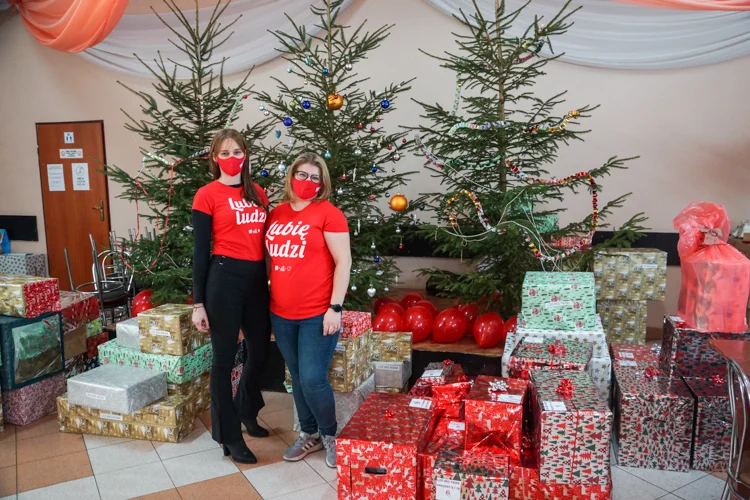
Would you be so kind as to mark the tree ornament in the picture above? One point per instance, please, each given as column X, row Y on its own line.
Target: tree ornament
column 399, row 203
column 372, row 197
column 353, row 288
column 288, row 122
column 373, row 245
column 385, row 104
column 343, row 177
column 357, row 152
column 386, row 289
column 261, row 107
column 403, row 140
column 374, row 168
column 325, row 71
column 393, row 170
column 379, row 272
column 308, row 61
column 327, row 155
column 421, row 206
column 306, row 104
column 282, row 167
column 371, row 291
column 277, row 133
column 348, row 66
column 288, row 69
column 334, row 101
column 264, row 173
column 396, row 157
column 339, row 191
column 398, row 229
column 266, row 113
column 387, row 194
column 376, row 260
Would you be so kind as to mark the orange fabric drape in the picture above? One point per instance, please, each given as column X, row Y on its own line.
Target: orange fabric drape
column 692, row 4
column 70, row 25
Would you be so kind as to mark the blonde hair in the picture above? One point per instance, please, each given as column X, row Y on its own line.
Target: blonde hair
column 325, row 181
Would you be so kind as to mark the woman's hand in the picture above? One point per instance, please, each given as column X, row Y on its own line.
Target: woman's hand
column 331, row 322
column 200, row 319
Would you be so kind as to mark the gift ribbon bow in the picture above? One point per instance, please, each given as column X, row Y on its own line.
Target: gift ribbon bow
column 447, row 362
column 557, row 349
column 712, row 236
column 498, row 386
column 651, row 372
column 388, row 414
column 565, row 389
column 718, row 379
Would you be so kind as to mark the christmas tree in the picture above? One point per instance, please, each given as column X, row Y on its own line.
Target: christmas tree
column 495, row 150
column 176, row 165
column 326, row 111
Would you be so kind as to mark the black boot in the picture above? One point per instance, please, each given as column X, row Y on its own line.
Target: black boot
column 240, row 453
column 254, row 429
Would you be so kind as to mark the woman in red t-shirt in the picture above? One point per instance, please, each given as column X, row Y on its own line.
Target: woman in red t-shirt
column 230, row 288
column 307, row 239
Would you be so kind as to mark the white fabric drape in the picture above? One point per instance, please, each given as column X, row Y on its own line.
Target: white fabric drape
column 251, row 43
column 613, row 35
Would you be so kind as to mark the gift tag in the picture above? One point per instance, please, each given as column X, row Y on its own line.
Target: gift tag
column 96, row 396
column 110, row 416
column 559, row 303
column 627, row 355
column 421, row 403
column 432, row 373
column 533, row 340
column 447, row 489
column 457, row 426
column 391, row 366
column 554, row 406
column 649, row 266
column 509, row 398
column 160, row 333
column 626, row 362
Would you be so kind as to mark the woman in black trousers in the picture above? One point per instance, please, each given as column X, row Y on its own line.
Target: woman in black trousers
column 230, row 289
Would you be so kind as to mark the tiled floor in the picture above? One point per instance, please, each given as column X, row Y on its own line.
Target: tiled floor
column 39, row 463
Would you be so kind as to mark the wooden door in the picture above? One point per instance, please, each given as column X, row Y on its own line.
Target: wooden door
column 75, row 196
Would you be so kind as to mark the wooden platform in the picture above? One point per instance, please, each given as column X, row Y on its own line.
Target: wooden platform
column 466, row 345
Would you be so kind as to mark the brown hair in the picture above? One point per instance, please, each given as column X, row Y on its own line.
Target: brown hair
column 317, row 161
column 249, row 190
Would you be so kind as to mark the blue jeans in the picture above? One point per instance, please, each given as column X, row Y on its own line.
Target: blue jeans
column 308, row 354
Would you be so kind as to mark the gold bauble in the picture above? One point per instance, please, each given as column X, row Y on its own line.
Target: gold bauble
column 399, row 203
column 335, row 101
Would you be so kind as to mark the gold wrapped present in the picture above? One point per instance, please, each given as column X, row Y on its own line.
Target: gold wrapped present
column 198, row 390
column 169, row 420
column 28, row 296
column 624, row 321
column 169, row 329
column 350, row 365
column 390, row 346
column 630, row 274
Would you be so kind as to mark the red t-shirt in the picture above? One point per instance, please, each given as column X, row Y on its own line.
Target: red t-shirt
column 238, row 225
column 301, row 264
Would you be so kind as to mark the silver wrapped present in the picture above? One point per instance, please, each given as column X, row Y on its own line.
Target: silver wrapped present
column 127, row 334
column 347, row 403
column 391, row 373
column 121, row 389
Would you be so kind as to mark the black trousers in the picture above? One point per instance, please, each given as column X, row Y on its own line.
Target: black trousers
column 237, row 297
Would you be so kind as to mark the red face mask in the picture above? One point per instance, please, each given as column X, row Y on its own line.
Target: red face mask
column 305, row 190
column 230, row 166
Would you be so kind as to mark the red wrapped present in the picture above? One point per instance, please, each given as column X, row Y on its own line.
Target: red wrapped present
column 447, row 438
column 571, row 428
column 715, row 275
column 28, row 296
column 713, row 423
column 437, row 373
column 526, row 485
column 534, row 353
column 93, row 343
column 494, row 415
column 471, row 477
column 635, row 356
column 653, row 419
column 449, row 398
column 32, row 402
column 354, row 323
column 686, row 352
column 376, row 453
column 78, row 309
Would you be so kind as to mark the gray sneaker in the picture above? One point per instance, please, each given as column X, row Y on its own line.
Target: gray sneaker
column 329, row 443
column 303, row 446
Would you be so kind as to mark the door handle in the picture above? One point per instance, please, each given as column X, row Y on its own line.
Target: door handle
column 101, row 210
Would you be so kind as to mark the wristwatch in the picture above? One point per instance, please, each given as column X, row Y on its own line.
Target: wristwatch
column 336, row 307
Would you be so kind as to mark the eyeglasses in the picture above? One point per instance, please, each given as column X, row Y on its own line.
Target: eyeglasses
column 303, row 176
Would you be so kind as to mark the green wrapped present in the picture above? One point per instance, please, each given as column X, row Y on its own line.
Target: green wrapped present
column 180, row 369
column 559, row 301
column 31, row 349
column 93, row 328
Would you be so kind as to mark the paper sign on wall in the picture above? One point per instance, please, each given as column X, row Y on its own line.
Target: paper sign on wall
column 71, row 153
column 55, row 177
column 81, row 177
column 69, row 137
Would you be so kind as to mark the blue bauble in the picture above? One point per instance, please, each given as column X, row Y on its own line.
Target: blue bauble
column 325, row 71
column 306, row 104
column 376, row 260
column 288, row 121
column 327, row 156
column 277, row 133
column 264, row 173
column 374, row 169
column 385, row 104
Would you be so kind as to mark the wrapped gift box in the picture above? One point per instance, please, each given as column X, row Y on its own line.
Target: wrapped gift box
column 121, row 389
column 75, row 366
column 686, row 352
column 630, row 274
column 347, row 404
column 74, row 342
column 376, row 453
column 169, row 329
column 179, row 369
column 28, row 296
column 449, row 398
column 127, row 334
column 391, row 373
column 197, row 390
column 32, row 402
column 390, row 346
column 93, row 343
column 355, row 323
column 624, row 321
column 559, row 301
column 526, row 485
column 471, row 477
column 447, row 439
column 168, row 420
column 31, row 349
column 653, row 419
column 547, row 354
column 30, row 264
column 571, row 428
column 437, row 373
column 350, row 365
column 94, row 327
column 712, row 434
column 78, row 309
column 494, row 415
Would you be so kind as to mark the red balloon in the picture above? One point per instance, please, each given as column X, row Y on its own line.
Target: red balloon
column 450, row 326
column 142, row 297
column 429, row 306
column 510, row 325
column 489, row 330
column 393, row 307
column 418, row 320
column 143, row 306
column 411, row 299
column 388, row 322
column 382, row 301
column 470, row 312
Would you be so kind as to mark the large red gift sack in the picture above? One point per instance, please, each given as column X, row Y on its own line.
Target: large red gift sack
column 715, row 275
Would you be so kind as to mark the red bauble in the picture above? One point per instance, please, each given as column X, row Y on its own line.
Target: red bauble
column 142, row 297
column 189, row 300
column 418, row 320
column 139, row 308
column 411, row 299
column 489, row 330
column 382, row 301
column 450, row 326
column 388, row 322
column 393, row 307
column 510, row 325
column 470, row 312
column 429, row 306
